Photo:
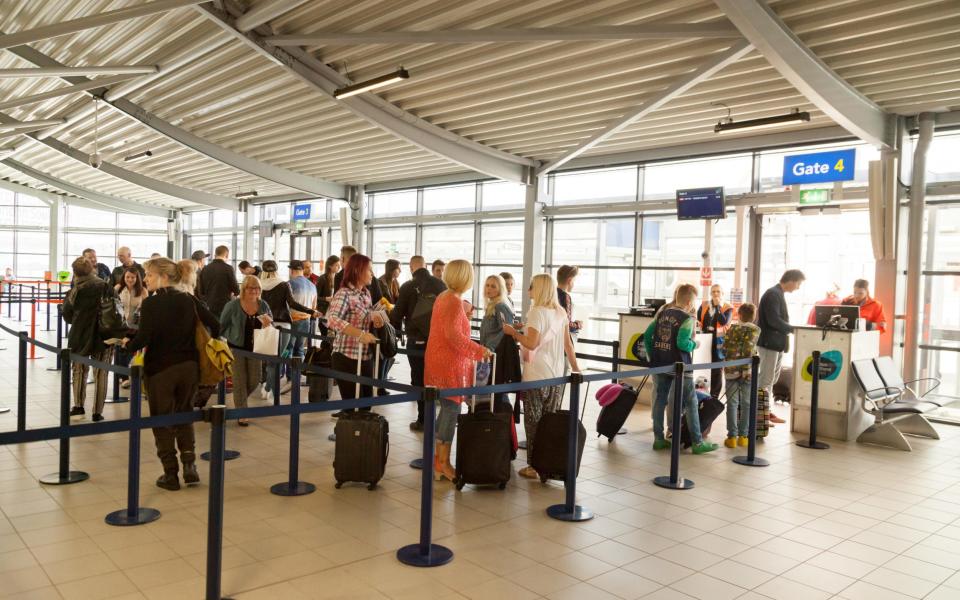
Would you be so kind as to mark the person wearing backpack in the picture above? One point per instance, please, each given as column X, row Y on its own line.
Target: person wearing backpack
column 81, row 309
column 412, row 313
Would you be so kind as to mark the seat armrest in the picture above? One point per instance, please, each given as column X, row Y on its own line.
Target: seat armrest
column 918, row 396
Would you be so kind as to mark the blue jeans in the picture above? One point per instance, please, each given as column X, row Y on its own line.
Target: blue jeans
column 272, row 368
column 447, row 420
column 300, row 343
column 663, row 395
column 738, row 400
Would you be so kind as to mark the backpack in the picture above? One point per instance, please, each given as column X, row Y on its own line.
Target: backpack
column 419, row 321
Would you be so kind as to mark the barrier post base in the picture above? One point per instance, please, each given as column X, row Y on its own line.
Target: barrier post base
column 680, row 484
column 301, row 488
column 227, row 455
column 71, row 477
column 751, row 462
column 332, row 437
column 416, row 463
column 814, row 445
column 4, row 410
column 123, row 518
column 117, row 401
column 561, row 513
column 437, row 556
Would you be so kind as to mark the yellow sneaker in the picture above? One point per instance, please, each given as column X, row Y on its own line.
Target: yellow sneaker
column 743, row 441
column 730, row 442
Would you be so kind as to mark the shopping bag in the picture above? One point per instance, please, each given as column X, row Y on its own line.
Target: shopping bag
column 266, row 340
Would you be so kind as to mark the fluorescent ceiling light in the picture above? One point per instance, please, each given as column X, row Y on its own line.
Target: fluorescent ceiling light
column 728, row 125
column 250, row 194
column 138, row 156
column 372, row 84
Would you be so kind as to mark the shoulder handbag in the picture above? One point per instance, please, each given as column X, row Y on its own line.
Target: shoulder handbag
column 213, row 355
column 111, row 314
column 388, row 340
column 266, row 340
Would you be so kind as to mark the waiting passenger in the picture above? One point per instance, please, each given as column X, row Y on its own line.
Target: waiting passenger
column 304, row 292
column 451, row 357
column 350, row 315
column 497, row 313
column 246, row 268
column 670, row 338
column 100, row 270
column 325, row 285
column 239, row 319
column 126, row 261
column 279, row 296
column 168, row 321
column 739, row 342
column 714, row 316
column 545, row 339
column 131, row 296
column 345, row 253
column 871, row 310
column 81, row 309
column 566, row 275
column 217, row 282
column 437, row 268
column 831, row 299
column 390, row 281
column 775, row 328
column 508, row 281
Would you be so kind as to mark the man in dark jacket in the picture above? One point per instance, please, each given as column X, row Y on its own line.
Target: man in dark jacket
column 81, row 309
column 423, row 283
column 774, row 322
column 217, row 282
column 126, row 261
column 99, row 269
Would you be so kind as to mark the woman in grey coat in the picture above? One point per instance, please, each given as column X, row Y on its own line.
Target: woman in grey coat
column 239, row 319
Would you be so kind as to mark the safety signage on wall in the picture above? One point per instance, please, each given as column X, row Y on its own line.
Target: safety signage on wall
column 301, row 212
column 706, row 276
column 821, row 167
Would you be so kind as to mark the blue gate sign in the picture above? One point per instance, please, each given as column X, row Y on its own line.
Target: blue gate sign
column 821, row 167
column 301, row 212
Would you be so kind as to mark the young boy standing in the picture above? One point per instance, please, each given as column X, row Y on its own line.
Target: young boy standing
column 669, row 339
column 740, row 342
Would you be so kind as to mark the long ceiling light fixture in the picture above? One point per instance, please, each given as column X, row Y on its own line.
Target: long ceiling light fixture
column 371, row 84
column 138, row 156
column 250, row 194
column 728, row 125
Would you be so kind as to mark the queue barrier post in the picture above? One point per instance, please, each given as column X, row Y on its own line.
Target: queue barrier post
column 293, row 486
column 33, row 328
column 222, row 400
column 751, row 460
column 9, row 287
column 22, row 381
column 569, row 510
column 20, row 302
column 48, row 308
column 674, row 481
column 59, row 337
column 117, row 399
column 134, row 514
column 615, row 362
column 426, row 553
column 218, row 442
column 812, row 442
column 65, row 476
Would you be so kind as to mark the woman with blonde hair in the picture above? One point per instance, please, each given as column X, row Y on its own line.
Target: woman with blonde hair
column 546, row 339
column 168, row 320
column 239, row 319
column 450, row 357
column 497, row 313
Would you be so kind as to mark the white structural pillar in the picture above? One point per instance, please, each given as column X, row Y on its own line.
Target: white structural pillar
column 56, row 245
column 358, row 214
column 707, row 256
column 918, row 185
column 533, row 230
column 246, row 251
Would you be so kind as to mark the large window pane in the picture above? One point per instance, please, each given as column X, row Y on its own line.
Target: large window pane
column 80, row 216
column 31, row 266
column 945, row 253
column 103, row 243
column 668, row 242
column 224, row 240
column 33, row 242
column 222, row 219
column 661, row 181
column 448, row 242
column 575, row 242
column 128, row 221
column 6, row 215
column 34, row 215
column 395, row 204
column 502, row 195
column 942, row 158
column 27, row 200
column 456, row 198
column 336, row 241
column 596, row 186
column 502, row 244
column 398, row 243
column 142, row 245
column 199, row 221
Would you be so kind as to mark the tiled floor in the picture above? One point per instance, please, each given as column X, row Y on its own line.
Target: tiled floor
column 852, row 522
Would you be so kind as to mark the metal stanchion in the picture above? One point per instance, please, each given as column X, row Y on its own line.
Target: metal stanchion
column 116, row 381
column 59, row 337
column 33, row 328
column 751, row 459
column 615, row 363
column 674, row 481
column 218, row 443
column 134, row 514
column 222, row 399
column 65, row 476
column 812, row 442
column 569, row 510
column 48, row 308
column 21, row 381
column 20, row 302
column 426, row 554
column 293, row 486
column 276, row 384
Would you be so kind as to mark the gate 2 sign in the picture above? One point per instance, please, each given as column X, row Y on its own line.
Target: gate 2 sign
column 821, row 167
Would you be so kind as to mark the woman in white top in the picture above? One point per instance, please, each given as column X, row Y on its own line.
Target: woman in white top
column 545, row 341
column 132, row 293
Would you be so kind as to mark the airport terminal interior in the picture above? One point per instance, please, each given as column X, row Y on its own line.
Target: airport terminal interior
column 675, row 167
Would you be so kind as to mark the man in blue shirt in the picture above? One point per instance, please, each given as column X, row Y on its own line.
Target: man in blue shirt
column 304, row 292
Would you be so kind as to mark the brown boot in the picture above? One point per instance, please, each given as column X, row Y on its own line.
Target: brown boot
column 441, row 463
column 190, row 475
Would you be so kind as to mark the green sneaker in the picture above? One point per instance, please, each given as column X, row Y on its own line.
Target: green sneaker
column 704, row 447
column 661, row 444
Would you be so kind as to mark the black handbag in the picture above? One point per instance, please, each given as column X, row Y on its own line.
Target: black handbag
column 388, row 340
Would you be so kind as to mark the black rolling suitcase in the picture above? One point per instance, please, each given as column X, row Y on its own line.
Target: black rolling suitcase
column 484, row 444
column 363, row 442
column 614, row 415
column 549, row 456
column 319, row 387
column 710, row 409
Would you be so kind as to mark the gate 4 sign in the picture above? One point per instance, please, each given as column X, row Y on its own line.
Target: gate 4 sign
column 821, row 167
column 706, row 276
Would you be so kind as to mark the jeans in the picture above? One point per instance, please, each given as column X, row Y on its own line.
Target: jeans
column 272, row 368
column 738, row 407
column 447, row 420
column 300, row 343
column 769, row 369
column 663, row 395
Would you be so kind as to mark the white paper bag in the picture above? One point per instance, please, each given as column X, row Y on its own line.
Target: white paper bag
column 266, row 340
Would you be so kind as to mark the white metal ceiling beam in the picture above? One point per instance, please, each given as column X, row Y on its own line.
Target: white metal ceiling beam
column 680, row 86
column 74, row 71
column 64, row 91
column 108, row 18
column 24, row 126
column 264, row 11
column 107, row 200
column 720, row 29
column 183, row 137
column 375, row 110
column 805, row 71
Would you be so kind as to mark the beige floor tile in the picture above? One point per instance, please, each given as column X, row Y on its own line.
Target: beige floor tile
column 624, row 584
column 738, row 574
column 156, row 574
column 25, row 580
column 81, row 567
column 582, row 591
column 706, row 587
column 861, row 590
column 818, row 578
column 498, row 588
column 658, row 569
column 97, row 587
column 690, row 556
column 580, row 565
column 542, row 579
column 902, row 583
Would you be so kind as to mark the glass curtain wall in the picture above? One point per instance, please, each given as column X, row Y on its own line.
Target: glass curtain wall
column 24, row 235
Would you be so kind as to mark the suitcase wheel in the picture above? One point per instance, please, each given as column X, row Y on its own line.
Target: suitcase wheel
column 372, row 487
column 338, row 485
column 460, row 485
column 502, row 485
column 543, row 478
column 610, row 438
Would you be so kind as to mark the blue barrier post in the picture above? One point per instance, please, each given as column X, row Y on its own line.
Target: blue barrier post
column 134, row 514
column 20, row 302
column 426, row 554
column 9, row 287
column 674, row 481
column 751, row 459
column 569, row 510
column 59, row 337
column 116, row 380
column 276, row 383
column 615, row 363
column 812, row 442
column 22, row 381
column 65, row 476
column 218, row 442
column 48, row 308
column 293, row 486
column 222, row 399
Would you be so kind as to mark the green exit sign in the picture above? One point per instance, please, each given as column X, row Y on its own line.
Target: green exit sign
column 808, row 197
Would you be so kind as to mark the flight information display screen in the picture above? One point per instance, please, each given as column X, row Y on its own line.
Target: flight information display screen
column 701, row 203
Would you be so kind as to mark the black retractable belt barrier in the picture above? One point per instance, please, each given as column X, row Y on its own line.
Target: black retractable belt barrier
column 426, row 554
column 65, row 476
column 218, row 442
column 293, row 486
column 134, row 514
column 674, row 481
column 222, row 399
column 751, row 459
column 569, row 510
column 59, row 337
column 812, row 442
column 22, row 381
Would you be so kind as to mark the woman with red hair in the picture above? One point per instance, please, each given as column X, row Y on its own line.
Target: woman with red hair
column 350, row 314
